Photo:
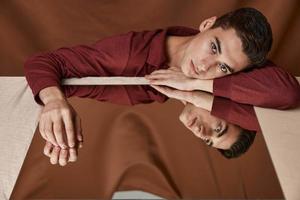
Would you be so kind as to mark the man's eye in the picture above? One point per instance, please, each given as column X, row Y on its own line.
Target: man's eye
column 213, row 48
column 218, row 129
column 223, row 68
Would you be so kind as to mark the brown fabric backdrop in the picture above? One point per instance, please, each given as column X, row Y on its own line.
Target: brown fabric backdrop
column 142, row 147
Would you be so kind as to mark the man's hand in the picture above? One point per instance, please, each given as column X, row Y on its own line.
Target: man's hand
column 58, row 120
column 173, row 93
column 172, row 77
column 175, row 78
column 198, row 98
column 61, row 156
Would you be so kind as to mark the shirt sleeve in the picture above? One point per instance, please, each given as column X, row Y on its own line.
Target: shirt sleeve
column 239, row 114
column 268, row 86
column 107, row 57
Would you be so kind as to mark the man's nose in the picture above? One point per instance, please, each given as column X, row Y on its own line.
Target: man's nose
column 182, row 118
column 203, row 132
column 207, row 63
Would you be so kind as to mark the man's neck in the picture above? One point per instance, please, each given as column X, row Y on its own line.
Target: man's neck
column 176, row 46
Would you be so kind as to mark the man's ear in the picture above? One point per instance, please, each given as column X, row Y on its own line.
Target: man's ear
column 206, row 24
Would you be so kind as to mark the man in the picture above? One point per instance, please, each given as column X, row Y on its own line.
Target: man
column 140, row 53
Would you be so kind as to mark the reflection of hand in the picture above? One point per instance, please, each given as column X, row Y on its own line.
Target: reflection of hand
column 198, row 98
column 61, row 156
column 171, row 77
column 57, row 120
column 173, row 93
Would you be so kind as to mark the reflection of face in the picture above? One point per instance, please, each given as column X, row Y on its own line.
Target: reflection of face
column 213, row 53
column 212, row 130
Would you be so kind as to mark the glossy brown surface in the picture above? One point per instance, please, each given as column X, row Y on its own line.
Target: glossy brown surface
column 142, row 147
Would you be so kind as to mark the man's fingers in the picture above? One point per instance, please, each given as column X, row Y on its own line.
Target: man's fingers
column 158, row 82
column 48, row 148
column 58, row 132
column 164, row 72
column 73, row 152
column 42, row 128
column 63, row 156
column 163, row 90
column 160, row 89
column 49, row 132
column 160, row 71
column 78, row 129
column 54, row 155
column 172, row 93
column 80, row 145
column 176, row 69
column 69, row 129
column 72, row 155
column 157, row 76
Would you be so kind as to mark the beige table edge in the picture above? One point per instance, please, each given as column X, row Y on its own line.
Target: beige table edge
column 282, row 135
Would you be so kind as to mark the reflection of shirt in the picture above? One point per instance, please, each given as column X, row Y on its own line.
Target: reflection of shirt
column 140, row 53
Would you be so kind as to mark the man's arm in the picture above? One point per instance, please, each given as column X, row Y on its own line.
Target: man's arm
column 115, row 56
column 262, row 87
column 58, row 110
column 121, row 55
column 103, row 58
column 269, row 86
column 232, row 112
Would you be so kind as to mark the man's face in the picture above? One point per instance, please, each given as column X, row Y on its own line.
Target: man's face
column 213, row 53
column 213, row 131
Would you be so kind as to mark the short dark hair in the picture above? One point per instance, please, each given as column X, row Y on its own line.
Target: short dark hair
column 241, row 146
column 254, row 30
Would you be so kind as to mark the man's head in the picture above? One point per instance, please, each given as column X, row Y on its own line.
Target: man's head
column 229, row 139
column 228, row 44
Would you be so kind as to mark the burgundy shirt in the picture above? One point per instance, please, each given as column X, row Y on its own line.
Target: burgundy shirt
column 140, row 53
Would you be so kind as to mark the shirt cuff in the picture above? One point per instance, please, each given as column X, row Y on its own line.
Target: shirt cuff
column 39, row 85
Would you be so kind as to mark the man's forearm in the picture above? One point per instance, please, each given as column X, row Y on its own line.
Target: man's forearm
column 51, row 93
column 202, row 99
column 203, row 85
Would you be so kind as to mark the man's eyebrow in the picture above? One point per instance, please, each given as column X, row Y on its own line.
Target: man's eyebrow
column 219, row 49
column 218, row 45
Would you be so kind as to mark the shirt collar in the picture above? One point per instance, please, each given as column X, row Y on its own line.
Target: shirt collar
column 157, row 53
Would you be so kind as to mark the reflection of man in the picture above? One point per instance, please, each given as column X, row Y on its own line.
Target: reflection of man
column 221, row 52
column 231, row 140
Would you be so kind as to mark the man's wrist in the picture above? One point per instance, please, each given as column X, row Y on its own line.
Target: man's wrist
column 203, row 85
column 203, row 100
column 52, row 93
